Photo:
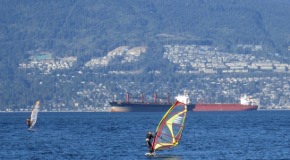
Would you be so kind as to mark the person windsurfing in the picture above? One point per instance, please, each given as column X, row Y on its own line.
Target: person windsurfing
column 28, row 122
column 149, row 139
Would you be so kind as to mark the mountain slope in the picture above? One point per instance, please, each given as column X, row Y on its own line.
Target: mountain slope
column 90, row 29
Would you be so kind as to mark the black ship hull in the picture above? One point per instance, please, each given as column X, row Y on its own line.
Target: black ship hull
column 143, row 107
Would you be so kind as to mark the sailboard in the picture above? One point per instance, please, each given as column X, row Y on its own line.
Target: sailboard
column 170, row 128
column 34, row 114
column 149, row 154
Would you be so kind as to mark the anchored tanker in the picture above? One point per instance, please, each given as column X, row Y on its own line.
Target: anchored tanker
column 246, row 104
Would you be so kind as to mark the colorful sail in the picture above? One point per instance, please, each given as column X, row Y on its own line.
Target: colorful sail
column 34, row 114
column 169, row 130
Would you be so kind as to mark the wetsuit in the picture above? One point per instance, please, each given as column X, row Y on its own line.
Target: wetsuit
column 28, row 122
column 149, row 138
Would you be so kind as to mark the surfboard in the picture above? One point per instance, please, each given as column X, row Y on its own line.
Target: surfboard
column 150, row 154
column 31, row 129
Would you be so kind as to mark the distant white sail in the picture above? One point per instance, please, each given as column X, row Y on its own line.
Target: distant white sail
column 34, row 114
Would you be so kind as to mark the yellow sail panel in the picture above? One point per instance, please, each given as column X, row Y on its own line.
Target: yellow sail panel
column 169, row 130
column 161, row 146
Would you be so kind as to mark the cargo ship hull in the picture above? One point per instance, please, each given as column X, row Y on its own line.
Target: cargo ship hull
column 246, row 104
column 224, row 107
column 142, row 107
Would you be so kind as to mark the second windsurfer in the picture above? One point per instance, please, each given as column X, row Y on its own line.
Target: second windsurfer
column 28, row 122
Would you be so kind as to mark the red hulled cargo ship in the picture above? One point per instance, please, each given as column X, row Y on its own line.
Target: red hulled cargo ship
column 246, row 104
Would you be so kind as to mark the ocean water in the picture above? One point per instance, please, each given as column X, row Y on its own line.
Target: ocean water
column 207, row 135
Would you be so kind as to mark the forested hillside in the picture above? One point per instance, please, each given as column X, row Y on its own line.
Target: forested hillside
column 90, row 29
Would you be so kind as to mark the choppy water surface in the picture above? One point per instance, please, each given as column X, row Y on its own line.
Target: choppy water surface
column 207, row 135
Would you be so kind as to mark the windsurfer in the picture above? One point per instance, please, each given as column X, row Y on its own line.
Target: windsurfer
column 28, row 122
column 149, row 139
